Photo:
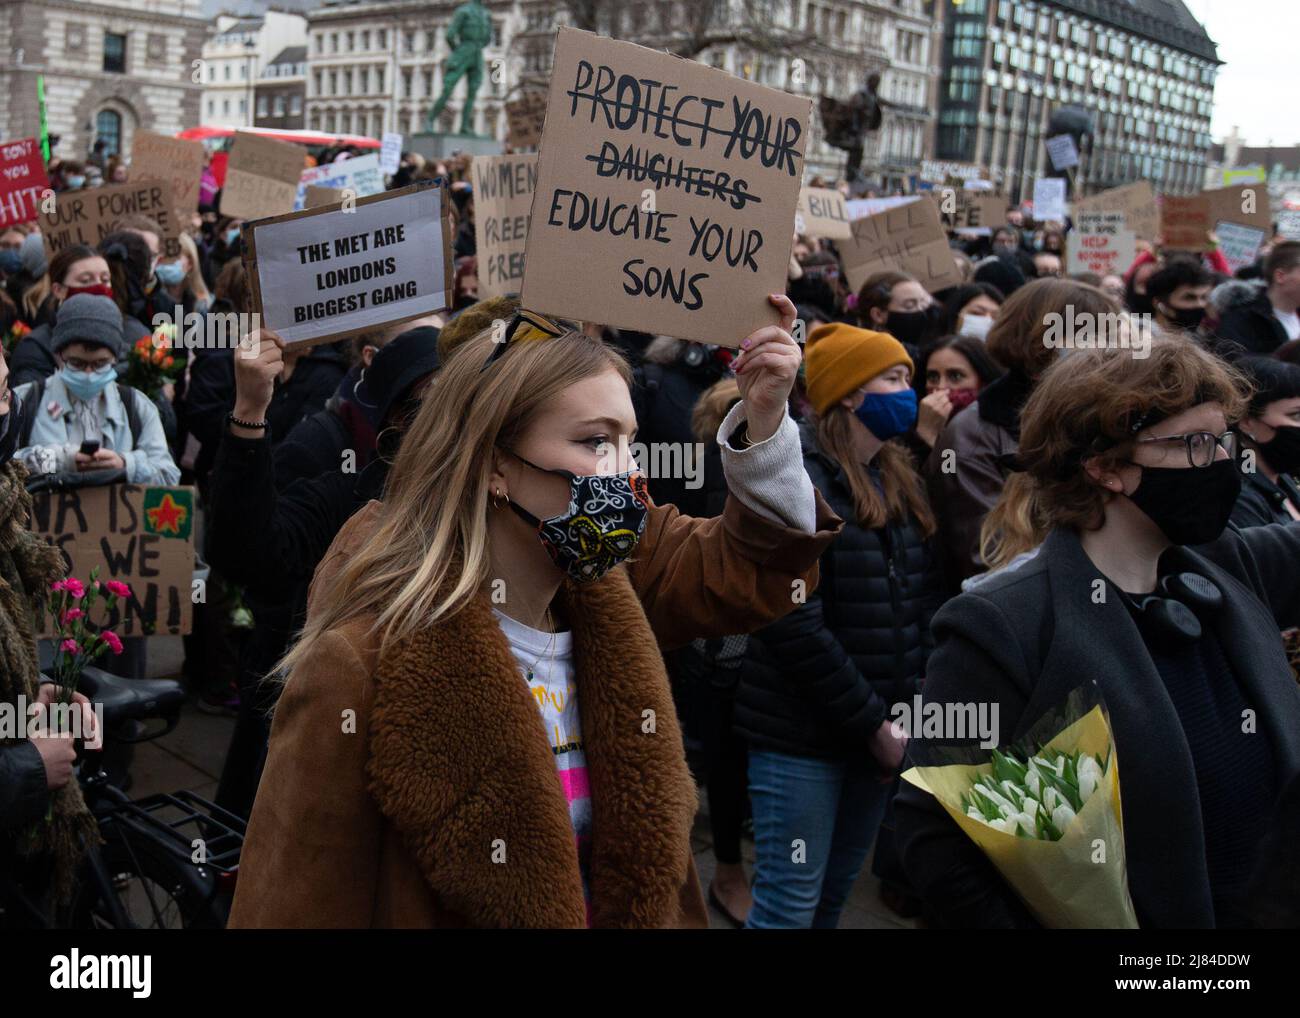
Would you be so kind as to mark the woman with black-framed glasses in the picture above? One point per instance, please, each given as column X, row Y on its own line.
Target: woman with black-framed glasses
column 1140, row 586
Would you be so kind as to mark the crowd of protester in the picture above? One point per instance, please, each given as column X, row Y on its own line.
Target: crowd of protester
column 948, row 487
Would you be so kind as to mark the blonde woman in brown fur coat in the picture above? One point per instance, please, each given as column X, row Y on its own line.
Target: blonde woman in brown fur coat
column 476, row 727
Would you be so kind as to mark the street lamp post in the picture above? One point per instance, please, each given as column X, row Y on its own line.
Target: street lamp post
column 250, row 51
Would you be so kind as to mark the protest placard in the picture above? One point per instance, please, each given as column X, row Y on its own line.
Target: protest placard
column 666, row 191
column 390, row 153
column 88, row 216
column 329, row 273
column 1063, row 152
column 1136, row 201
column 1049, row 200
column 1288, row 224
column 525, row 118
column 860, row 208
column 261, row 177
column 143, row 536
column 22, row 181
column 360, row 175
column 318, row 196
column 1100, row 242
column 1244, row 204
column 503, row 198
column 940, row 172
column 1185, row 222
column 821, row 212
column 909, row 238
column 175, row 160
column 1239, row 244
column 972, row 212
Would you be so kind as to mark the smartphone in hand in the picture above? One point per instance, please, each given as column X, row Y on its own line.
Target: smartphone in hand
column 89, row 447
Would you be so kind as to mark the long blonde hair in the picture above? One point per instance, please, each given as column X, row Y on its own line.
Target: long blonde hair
column 194, row 278
column 428, row 554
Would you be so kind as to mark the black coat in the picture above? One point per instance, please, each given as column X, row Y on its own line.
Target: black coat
column 1025, row 638
column 820, row 681
column 664, row 396
column 1247, row 323
column 24, row 794
column 1261, row 500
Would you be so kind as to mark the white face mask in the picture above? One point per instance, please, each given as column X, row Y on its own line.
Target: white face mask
column 976, row 326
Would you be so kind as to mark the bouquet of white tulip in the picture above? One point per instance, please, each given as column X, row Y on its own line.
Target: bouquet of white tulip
column 1034, row 798
column 1047, row 816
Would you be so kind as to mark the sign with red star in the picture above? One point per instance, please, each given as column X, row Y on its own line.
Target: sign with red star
column 169, row 512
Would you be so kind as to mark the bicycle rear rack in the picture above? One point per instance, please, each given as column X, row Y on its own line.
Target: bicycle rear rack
column 178, row 820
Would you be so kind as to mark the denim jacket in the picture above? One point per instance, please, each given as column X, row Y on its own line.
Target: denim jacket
column 148, row 461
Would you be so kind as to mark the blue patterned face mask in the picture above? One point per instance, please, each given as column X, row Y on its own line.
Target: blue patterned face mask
column 604, row 521
column 888, row 414
column 86, row 385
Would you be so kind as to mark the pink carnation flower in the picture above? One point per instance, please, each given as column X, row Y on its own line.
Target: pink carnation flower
column 59, row 585
column 113, row 640
column 72, row 614
column 70, row 646
column 73, row 586
column 117, row 587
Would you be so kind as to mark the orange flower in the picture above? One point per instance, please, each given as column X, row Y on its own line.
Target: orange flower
column 168, row 362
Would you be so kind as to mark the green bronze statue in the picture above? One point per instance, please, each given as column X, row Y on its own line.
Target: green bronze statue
column 470, row 30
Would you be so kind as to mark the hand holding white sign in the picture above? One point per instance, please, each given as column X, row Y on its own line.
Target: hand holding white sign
column 765, row 371
column 255, row 380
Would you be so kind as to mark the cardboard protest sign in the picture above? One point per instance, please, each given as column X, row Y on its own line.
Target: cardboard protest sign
column 261, row 177
column 909, row 238
column 1049, row 200
column 143, row 536
column 665, row 193
column 972, row 212
column 525, row 118
column 1063, row 152
column 1100, row 242
column 1239, row 244
column 1136, row 201
column 1288, row 223
column 1245, row 204
column 390, row 153
column 329, row 273
column 88, row 216
column 360, row 175
column 1185, row 222
column 940, row 172
column 860, row 208
column 822, row 212
column 175, row 160
column 318, row 196
column 22, row 181
column 503, row 198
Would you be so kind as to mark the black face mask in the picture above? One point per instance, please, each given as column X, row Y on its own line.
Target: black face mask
column 1185, row 318
column 1191, row 506
column 909, row 326
column 1282, row 451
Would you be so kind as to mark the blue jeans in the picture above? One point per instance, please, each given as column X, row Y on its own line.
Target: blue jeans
column 814, row 822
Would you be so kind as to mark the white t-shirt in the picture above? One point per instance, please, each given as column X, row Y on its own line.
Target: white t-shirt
column 550, row 657
column 1290, row 321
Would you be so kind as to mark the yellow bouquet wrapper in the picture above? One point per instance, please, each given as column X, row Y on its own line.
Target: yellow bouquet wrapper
column 1078, row 882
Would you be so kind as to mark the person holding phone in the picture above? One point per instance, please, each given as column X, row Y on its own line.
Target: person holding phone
column 81, row 426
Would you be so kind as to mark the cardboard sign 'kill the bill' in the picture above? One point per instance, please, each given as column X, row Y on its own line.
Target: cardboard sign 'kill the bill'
column 328, row 273
column 665, row 196
column 907, row 238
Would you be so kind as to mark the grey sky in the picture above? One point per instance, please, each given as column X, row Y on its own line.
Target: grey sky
column 1257, row 89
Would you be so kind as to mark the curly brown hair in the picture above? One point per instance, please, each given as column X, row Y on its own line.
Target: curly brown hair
column 1016, row 340
column 1087, row 406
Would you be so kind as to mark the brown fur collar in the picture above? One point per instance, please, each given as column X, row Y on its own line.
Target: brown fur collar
column 460, row 763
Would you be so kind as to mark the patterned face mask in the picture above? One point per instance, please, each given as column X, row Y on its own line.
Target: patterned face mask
column 604, row 521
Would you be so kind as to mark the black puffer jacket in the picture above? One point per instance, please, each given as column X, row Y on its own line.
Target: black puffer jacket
column 1246, row 320
column 821, row 680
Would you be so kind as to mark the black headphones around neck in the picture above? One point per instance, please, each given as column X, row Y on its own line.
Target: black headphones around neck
column 1172, row 612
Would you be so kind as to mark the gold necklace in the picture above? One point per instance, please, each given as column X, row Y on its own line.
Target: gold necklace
column 550, row 648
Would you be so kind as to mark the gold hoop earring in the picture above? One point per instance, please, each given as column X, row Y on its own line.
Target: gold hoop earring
column 498, row 500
